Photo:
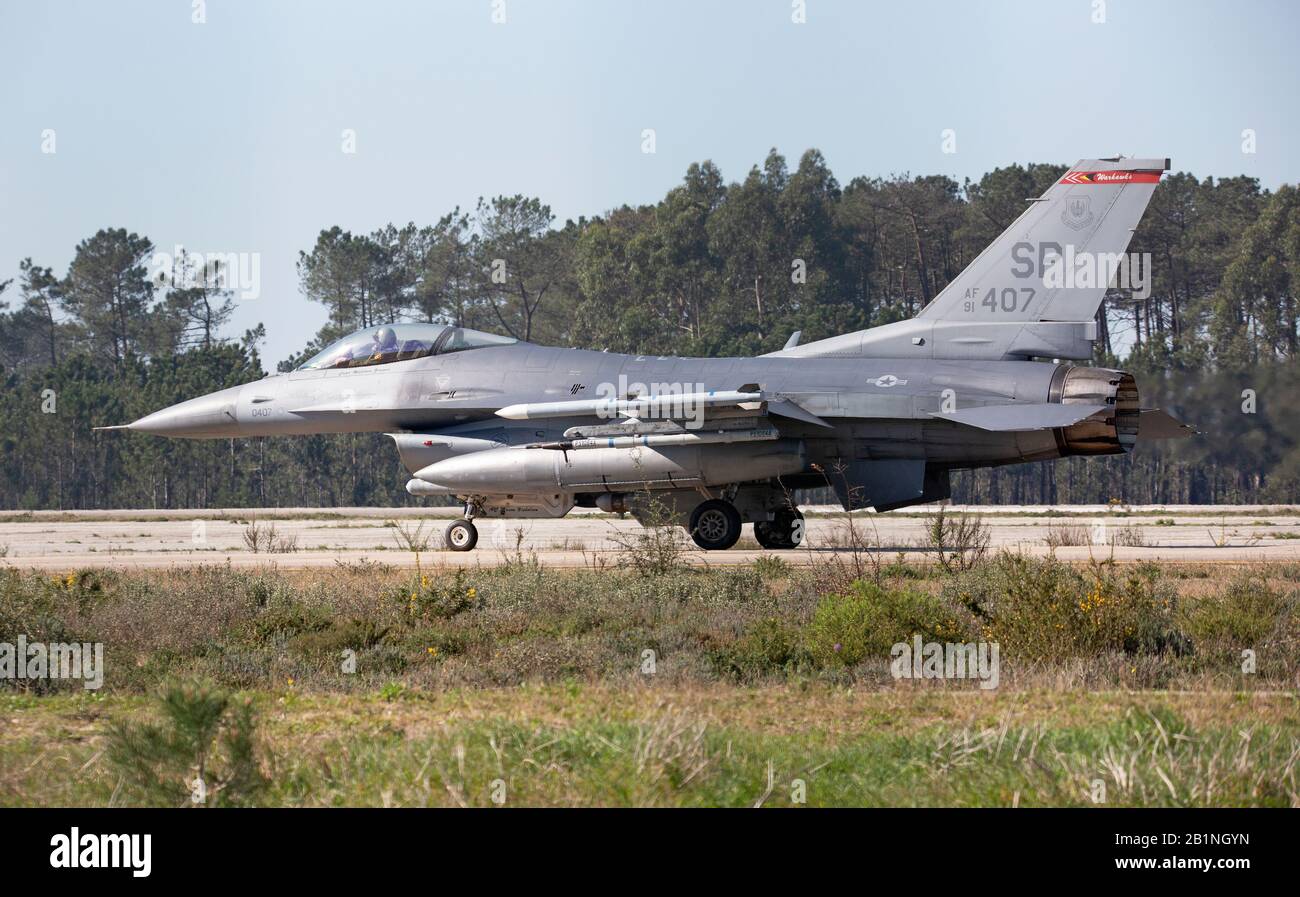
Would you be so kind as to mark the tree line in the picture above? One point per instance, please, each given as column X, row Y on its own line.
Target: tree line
column 713, row 268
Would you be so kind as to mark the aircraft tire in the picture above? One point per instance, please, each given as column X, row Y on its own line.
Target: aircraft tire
column 715, row 525
column 462, row 535
column 792, row 526
column 783, row 532
column 766, row 536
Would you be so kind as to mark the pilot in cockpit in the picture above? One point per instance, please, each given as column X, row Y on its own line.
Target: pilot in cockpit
column 385, row 346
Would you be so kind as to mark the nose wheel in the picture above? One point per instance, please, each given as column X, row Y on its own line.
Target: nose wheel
column 462, row 535
column 715, row 525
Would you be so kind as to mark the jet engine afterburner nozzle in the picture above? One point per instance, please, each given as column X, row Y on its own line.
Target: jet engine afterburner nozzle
column 1113, row 432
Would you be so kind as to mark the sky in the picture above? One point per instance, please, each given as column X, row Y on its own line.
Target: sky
column 227, row 135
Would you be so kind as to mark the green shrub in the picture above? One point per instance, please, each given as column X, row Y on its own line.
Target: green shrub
column 1042, row 609
column 436, row 598
column 29, row 606
column 285, row 619
column 39, row 609
column 768, row 647
column 338, row 636
column 770, row 566
column 1246, row 613
column 868, row 620
column 444, row 643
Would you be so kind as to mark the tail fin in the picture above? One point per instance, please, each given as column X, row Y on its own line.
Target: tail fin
column 1035, row 290
column 1027, row 274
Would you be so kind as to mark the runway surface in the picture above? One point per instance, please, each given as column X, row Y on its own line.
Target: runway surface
column 322, row 537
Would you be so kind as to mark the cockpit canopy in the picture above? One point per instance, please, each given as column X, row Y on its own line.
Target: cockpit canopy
column 399, row 342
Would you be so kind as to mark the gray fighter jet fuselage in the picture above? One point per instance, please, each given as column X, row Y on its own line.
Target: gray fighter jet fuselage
column 881, row 416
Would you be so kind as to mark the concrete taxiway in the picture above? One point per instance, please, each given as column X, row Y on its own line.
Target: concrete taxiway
column 322, row 537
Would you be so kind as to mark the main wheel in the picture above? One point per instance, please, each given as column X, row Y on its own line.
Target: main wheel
column 462, row 535
column 715, row 525
column 784, row 531
column 765, row 535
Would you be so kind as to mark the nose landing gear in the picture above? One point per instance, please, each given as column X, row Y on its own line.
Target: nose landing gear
column 462, row 535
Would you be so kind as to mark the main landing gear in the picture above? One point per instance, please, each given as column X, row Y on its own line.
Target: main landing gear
column 715, row 525
column 783, row 531
column 462, row 535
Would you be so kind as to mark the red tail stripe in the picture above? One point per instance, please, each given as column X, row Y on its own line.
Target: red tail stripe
column 1111, row 177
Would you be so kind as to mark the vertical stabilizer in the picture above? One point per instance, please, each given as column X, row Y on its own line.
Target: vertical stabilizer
column 1035, row 290
column 1085, row 218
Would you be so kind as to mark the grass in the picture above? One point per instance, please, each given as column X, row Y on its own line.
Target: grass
column 1103, row 625
column 368, row 684
column 570, row 744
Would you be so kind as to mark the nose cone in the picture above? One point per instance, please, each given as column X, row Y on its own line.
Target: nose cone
column 207, row 416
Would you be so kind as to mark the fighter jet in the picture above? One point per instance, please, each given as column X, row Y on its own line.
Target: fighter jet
column 987, row 374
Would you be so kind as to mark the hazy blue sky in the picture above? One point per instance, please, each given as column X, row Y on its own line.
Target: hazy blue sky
column 226, row 136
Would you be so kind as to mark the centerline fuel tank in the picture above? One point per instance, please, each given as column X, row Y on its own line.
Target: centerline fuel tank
column 519, row 469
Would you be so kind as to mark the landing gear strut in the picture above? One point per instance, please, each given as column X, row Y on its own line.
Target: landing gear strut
column 462, row 535
column 715, row 525
column 783, row 531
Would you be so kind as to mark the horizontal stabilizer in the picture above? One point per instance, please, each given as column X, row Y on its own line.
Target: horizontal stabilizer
column 1156, row 424
column 1018, row 418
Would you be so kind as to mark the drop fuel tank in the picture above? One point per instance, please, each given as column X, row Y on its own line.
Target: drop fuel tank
column 519, row 469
